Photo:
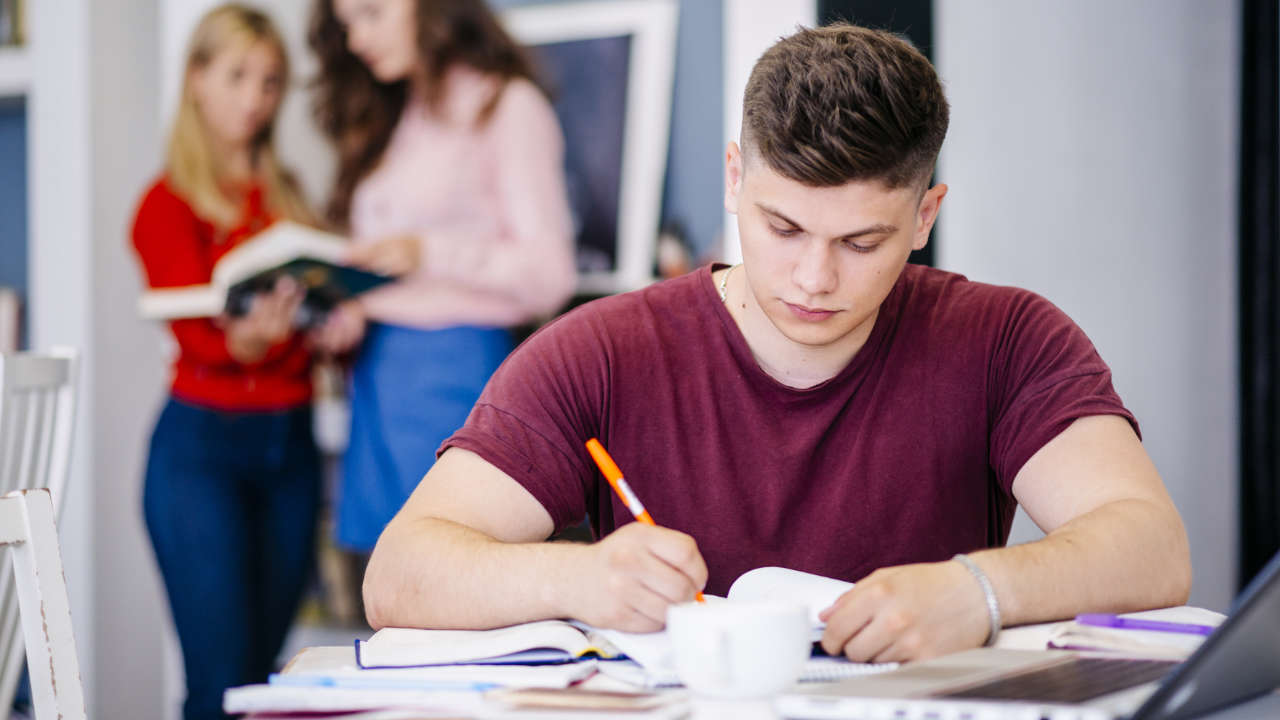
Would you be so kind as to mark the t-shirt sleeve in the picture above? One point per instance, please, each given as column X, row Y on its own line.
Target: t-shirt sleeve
column 538, row 410
column 1044, row 375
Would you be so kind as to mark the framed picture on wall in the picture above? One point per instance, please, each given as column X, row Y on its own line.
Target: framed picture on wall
column 609, row 65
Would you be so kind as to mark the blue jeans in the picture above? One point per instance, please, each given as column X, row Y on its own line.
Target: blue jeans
column 230, row 502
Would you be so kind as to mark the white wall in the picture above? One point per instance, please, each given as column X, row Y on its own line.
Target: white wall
column 59, row 265
column 750, row 28
column 1092, row 158
column 130, row 373
column 93, row 147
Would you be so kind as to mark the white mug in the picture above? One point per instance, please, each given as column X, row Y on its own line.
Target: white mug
column 734, row 649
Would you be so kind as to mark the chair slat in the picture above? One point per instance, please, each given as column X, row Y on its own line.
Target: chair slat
column 31, row 440
column 8, row 440
column 22, row 434
column 46, row 404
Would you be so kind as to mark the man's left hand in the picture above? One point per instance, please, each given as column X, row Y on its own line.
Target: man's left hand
column 908, row 612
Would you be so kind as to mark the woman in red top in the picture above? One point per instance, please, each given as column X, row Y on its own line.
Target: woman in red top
column 232, row 481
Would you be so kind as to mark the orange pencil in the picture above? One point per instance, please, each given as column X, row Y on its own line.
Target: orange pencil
column 620, row 486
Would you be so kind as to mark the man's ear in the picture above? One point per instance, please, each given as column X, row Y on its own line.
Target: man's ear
column 927, row 215
column 733, row 172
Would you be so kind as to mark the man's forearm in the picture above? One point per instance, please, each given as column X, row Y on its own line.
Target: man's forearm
column 432, row 573
column 1123, row 556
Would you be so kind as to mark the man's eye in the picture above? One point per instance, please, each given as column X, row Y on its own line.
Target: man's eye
column 783, row 232
column 861, row 248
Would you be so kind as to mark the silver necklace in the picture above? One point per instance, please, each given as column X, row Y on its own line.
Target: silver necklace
column 724, row 283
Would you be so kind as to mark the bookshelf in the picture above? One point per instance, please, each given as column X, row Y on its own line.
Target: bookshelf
column 15, row 71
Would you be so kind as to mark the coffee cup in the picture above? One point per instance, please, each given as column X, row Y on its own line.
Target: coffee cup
column 736, row 649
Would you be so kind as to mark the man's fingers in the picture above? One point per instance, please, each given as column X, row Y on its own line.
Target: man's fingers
column 847, row 618
column 649, row 604
column 668, row 582
column 869, row 641
column 828, row 612
column 902, row 649
column 681, row 552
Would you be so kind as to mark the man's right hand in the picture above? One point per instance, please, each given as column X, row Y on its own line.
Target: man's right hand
column 630, row 578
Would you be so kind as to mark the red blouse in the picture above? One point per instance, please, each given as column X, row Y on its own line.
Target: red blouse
column 178, row 248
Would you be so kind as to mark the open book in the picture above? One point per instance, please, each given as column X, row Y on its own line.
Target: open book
column 559, row 641
column 312, row 257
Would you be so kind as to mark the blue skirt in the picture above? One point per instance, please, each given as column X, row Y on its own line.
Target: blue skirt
column 410, row 390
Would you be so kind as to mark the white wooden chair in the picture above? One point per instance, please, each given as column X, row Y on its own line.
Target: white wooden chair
column 37, row 418
column 28, row 529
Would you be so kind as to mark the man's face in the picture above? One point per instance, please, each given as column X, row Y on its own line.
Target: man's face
column 819, row 261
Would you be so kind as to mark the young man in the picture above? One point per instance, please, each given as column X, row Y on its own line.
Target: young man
column 822, row 406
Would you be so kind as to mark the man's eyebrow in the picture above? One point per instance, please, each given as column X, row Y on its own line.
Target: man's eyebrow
column 877, row 229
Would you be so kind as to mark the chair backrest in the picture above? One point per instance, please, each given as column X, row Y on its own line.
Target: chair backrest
column 37, row 419
column 28, row 529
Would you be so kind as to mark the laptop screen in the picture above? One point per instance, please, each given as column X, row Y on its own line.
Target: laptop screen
column 1240, row 660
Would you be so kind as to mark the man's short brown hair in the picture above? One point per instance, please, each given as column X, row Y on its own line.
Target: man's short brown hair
column 834, row 104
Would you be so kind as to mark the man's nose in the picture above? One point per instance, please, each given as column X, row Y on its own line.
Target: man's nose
column 814, row 270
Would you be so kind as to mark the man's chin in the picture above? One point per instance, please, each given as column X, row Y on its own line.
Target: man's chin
column 813, row 335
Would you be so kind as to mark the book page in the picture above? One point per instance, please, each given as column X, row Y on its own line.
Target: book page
column 278, row 244
column 815, row 592
column 181, row 302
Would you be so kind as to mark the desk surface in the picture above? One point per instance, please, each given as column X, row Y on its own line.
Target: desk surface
column 1027, row 637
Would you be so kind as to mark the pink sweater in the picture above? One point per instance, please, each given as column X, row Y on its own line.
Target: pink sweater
column 488, row 202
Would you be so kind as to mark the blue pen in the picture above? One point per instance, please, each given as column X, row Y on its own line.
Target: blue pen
column 375, row 683
column 1124, row 623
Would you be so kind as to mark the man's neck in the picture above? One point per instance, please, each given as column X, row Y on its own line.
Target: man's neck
column 790, row 363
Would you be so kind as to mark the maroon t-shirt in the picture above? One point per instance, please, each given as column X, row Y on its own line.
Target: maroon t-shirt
column 907, row 455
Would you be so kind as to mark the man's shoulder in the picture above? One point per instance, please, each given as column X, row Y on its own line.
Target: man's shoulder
column 945, row 295
column 940, row 309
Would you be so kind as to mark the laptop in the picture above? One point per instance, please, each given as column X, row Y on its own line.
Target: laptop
column 1239, row 661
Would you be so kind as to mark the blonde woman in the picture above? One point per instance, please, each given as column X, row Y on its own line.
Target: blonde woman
column 232, row 479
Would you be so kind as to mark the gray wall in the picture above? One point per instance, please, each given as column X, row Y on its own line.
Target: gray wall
column 692, row 194
column 129, row 370
column 1092, row 159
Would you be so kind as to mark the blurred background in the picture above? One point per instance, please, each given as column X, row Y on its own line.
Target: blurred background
column 1117, row 157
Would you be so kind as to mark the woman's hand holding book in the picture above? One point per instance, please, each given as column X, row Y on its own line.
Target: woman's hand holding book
column 268, row 322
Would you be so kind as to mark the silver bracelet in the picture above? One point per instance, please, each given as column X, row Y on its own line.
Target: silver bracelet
column 993, row 606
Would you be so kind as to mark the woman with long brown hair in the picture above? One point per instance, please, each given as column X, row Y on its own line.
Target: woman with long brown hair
column 232, row 480
column 450, row 174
